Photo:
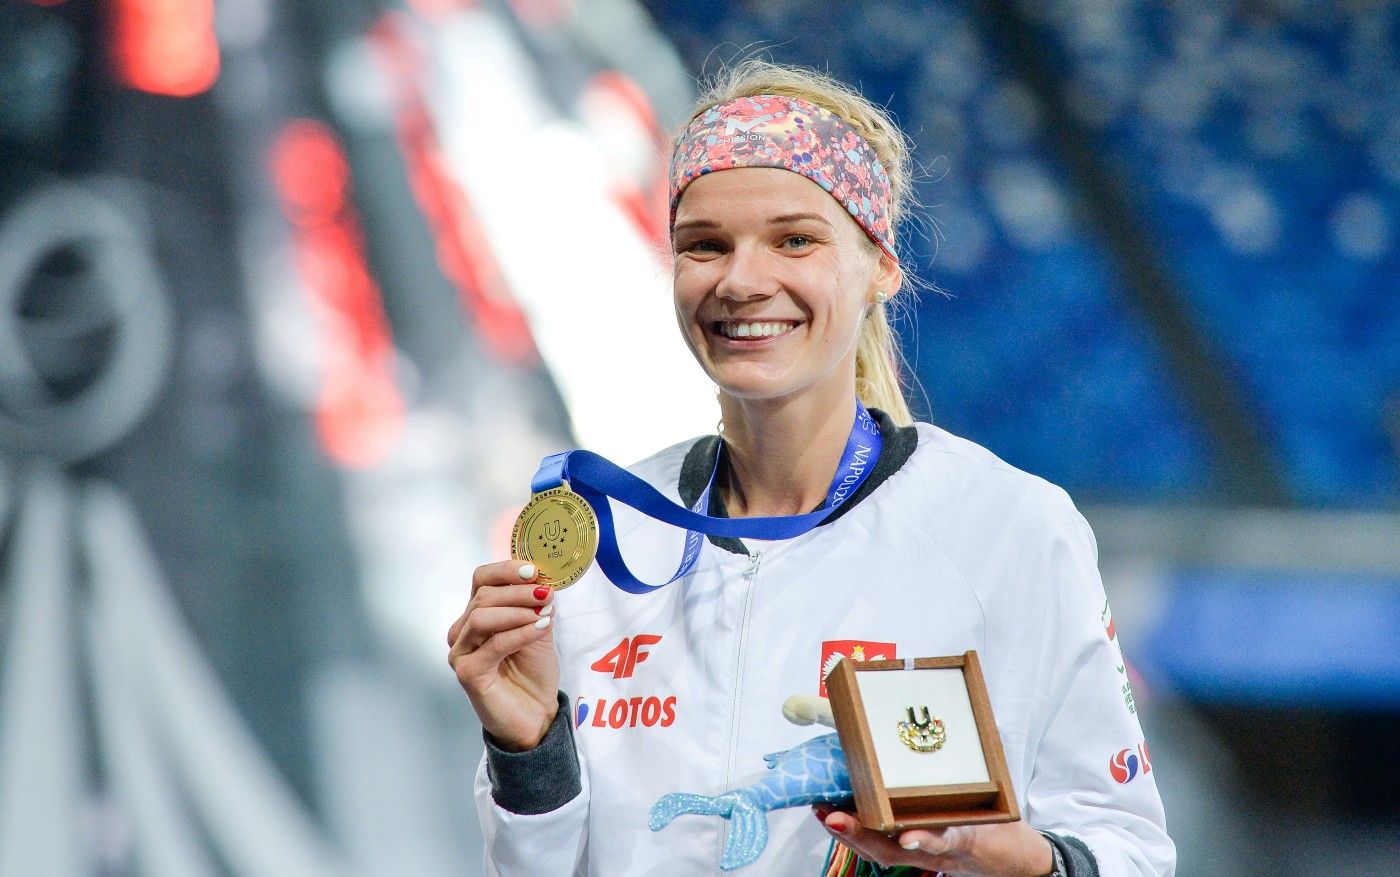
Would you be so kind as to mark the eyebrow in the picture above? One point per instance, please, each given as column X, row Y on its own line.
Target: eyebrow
column 797, row 217
column 694, row 223
column 777, row 220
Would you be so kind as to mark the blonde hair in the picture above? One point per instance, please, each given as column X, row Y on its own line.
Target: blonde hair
column 877, row 350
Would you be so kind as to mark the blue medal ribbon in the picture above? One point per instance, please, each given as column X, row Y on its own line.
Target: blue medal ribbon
column 597, row 479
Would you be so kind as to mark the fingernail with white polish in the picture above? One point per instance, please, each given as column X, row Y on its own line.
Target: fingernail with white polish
column 547, row 610
column 543, row 622
column 912, row 845
column 527, row 571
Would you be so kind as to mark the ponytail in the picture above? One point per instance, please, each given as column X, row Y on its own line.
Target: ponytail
column 877, row 368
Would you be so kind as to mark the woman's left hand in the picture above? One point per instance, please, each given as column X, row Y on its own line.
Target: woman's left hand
column 1009, row 849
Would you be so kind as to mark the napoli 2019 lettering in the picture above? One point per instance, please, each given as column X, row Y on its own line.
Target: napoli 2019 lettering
column 862, row 459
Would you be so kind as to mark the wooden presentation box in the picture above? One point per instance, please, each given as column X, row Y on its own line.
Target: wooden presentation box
column 890, row 716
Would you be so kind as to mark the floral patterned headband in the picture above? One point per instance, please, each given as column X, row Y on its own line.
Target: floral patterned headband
column 785, row 132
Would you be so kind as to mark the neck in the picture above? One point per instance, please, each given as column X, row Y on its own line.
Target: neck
column 783, row 453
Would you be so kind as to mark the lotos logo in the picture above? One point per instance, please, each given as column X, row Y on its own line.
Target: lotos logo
column 1124, row 766
column 623, row 659
column 626, row 712
column 834, row 650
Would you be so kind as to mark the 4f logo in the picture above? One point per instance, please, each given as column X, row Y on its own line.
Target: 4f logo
column 623, row 659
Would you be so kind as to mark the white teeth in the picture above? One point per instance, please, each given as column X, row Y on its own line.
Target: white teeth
column 753, row 330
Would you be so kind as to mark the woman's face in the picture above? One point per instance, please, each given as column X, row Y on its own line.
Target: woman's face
column 772, row 279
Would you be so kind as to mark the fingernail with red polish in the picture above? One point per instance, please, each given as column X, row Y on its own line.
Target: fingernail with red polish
column 542, row 592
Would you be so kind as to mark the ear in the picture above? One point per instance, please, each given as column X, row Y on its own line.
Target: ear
column 889, row 276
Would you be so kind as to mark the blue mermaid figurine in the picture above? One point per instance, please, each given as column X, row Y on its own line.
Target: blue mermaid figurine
column 811, row 773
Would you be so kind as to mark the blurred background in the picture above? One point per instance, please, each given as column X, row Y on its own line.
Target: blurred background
column 294, row 296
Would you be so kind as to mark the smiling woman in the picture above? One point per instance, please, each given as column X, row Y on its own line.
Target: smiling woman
column 773, row 284
column 886, row 167
column 786, row 193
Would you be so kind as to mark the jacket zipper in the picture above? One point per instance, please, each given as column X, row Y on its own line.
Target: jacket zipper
column 749, row 574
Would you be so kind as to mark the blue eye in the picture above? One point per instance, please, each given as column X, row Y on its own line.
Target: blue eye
column 797, row 242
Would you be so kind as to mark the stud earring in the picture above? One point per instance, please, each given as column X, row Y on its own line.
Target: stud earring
column 881, row 296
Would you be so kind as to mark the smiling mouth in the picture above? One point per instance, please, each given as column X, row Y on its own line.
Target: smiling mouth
column 738, row 329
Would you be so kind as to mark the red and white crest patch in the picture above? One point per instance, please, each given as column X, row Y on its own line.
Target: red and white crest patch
column 856, row 649
column 1106, row 618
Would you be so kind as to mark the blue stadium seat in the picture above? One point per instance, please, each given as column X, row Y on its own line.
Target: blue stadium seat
column 1265, row 159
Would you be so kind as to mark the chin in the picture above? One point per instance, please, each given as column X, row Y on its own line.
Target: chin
column 755, row 391
column 749, row 385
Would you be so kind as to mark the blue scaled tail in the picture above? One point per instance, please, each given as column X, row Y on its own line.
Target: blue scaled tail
column 748, row 822
column 805, row 774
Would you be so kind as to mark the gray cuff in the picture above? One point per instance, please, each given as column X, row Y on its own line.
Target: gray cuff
column 1079, row 862
column 537, row 780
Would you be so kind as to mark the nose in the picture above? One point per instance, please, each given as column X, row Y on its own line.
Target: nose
column 747, row 275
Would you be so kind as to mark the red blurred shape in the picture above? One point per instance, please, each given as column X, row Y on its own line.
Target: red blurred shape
column 165, row 46
column 640, row 208
column 542, row 14
column 464, row 252
column 622, row 87
column 359, row 413
column 438, row 11
column 645, row 203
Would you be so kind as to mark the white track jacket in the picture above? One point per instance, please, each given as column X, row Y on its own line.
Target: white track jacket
column 681, row 689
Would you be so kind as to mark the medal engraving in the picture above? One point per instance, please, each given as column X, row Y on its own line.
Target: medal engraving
column 558, row 533
column 927, row 735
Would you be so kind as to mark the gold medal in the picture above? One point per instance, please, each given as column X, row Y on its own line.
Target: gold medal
column 558, row 533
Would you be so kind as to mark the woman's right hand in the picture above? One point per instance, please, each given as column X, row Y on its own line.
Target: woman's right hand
column 502, row 651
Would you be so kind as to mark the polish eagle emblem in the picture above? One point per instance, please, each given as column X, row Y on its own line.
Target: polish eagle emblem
column 856, row 650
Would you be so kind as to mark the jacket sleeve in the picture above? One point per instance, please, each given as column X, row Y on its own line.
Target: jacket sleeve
column 1088, row 773
column 533, row 806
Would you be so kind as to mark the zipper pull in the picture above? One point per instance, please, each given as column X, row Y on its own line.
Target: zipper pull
column 752, row 569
